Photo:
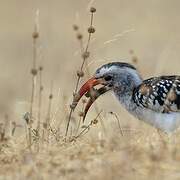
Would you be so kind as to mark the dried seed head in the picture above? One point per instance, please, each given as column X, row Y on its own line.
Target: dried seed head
column 92, row 9
column 50, row 96
column 83, row 101
column 95, row 121
column 76, row 98
column 134, row 59
column 81, row 114
column 80, row 73
column 34, row 72
column 91, row 29
column 40, row 68
column 41, row 88
column 75, row 27
column 79, row 36
column 72, row 106
column 75, row 101
column 85, row 55
column 45, row 125
column 35, row 35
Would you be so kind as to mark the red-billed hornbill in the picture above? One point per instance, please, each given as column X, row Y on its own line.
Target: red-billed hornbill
column 155, row 101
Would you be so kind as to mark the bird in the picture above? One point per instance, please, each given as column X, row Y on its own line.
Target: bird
column 156, row 100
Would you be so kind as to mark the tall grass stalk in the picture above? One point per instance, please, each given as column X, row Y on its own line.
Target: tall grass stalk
column 85, row 55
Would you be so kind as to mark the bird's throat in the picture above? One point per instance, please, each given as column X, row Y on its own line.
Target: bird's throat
column 125, row 99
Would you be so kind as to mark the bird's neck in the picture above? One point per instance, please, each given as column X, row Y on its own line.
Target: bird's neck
column 126, row 100
column 124, row 93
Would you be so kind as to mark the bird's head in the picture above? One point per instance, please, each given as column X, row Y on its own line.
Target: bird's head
column 117, row 76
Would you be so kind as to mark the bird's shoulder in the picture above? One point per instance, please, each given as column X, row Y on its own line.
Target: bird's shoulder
column 161, row 94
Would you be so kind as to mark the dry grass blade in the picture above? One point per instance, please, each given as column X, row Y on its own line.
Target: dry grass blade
column 118, row 121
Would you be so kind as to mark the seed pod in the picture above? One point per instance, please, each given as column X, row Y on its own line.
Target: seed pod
column 75, row 27
column 91, row 29
column 34, row 72
column 92, row 9
column 85, row 55
column 72, row 106
column 95, row 121
column 35, row 35
column 79, row 36
column 50, row 96
column 40, row 68
column 134, row 59
column 80, row 73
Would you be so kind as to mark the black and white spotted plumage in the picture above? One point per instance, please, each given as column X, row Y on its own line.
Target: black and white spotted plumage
column 161, row 94
column 155, row 101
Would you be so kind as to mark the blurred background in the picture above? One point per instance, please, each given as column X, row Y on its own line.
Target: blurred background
column 149, row 28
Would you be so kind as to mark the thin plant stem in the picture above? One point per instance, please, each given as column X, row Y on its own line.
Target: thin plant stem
column 88, row 126
column 40, row 100
column 81, row 69
column 49, row 112
column 118, row 121
column 69, row 119
column 34, row 73
column 79, row 122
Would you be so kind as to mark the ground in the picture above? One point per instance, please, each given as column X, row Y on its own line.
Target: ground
column 136, row 156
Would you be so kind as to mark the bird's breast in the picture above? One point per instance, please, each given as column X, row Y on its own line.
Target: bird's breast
column 167, row 122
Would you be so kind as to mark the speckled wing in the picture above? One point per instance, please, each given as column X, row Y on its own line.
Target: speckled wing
column 161, row 94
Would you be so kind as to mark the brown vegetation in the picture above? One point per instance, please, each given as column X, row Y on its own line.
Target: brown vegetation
column 53, row 142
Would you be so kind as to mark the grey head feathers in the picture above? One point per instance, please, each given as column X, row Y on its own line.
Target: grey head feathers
column 116, row 64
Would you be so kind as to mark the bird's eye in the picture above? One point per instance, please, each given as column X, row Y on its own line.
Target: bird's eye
column 108, row 78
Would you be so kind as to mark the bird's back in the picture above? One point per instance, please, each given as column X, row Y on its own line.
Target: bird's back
column 160, row 94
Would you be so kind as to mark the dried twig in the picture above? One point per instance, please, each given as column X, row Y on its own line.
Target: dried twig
column 94, row 121
column 48, row 118
column 117, row 118
column 85, row 55
column 40, row 98
column 34, row 72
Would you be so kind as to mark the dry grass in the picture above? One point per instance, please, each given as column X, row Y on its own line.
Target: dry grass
column 135, row 156
column 52, row 142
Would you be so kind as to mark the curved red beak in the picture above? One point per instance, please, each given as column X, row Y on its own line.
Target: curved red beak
column 88, row 87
